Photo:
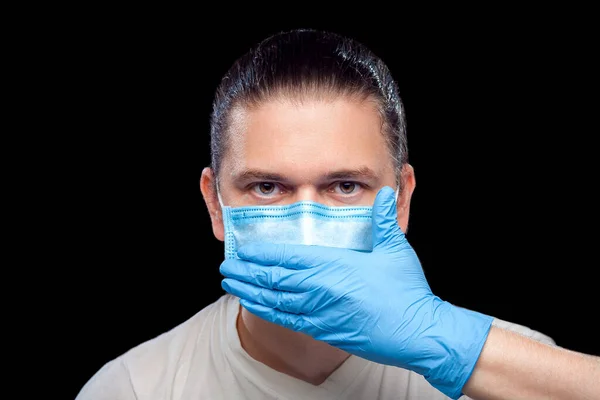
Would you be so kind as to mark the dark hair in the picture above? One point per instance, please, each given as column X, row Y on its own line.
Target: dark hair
column 308, row 62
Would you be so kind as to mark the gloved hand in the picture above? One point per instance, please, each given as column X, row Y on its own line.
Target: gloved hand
column 376, row 305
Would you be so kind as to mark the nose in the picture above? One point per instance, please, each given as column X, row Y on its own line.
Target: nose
column 306, row 193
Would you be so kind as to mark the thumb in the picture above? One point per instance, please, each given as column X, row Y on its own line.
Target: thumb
column 385, row 218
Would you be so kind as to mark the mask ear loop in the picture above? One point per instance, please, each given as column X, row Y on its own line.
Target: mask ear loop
column 219, row 194
column 220, row 199
column 229, row 240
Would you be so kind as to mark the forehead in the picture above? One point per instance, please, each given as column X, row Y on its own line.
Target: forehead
column 308, row 137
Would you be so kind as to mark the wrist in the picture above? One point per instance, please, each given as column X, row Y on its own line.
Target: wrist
column 456, row 336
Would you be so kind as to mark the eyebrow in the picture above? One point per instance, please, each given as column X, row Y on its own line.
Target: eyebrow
column 256, row 174
column 260, row 175
column 361, row 172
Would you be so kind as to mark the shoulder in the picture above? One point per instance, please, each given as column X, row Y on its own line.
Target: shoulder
column 145, row 368
column 174, row 343
column 111, row 382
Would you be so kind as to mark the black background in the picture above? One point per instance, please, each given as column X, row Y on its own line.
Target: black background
column 503, row 216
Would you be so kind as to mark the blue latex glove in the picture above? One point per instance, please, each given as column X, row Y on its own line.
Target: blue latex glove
column 376, row 305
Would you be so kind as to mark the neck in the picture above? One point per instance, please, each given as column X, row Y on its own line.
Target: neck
column 292, row 353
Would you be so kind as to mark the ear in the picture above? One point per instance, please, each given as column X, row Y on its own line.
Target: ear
column 208, row 188
column 403, row 204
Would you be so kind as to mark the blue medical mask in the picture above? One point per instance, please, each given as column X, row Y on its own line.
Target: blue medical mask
column 304, row 222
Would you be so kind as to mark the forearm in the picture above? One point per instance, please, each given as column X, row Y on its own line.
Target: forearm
column 514, row 367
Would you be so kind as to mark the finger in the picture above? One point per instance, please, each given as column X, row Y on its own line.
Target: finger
column 289, row 256
column 385, row 218
column 289, row 302
column 294, row 322
column 278, row 278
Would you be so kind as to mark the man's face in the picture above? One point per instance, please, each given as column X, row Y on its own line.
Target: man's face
column 331, row 151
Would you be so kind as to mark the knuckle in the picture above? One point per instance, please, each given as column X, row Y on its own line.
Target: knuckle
column 262, row 297
column 275, row 276
column 297, row 324
column 286, row 303
column 263, row 277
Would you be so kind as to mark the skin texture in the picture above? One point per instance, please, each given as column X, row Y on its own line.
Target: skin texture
column 328, row 149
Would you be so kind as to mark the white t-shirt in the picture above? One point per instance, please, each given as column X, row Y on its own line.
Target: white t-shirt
column 203, row 359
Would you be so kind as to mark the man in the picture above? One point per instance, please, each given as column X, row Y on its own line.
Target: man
column 310, row 189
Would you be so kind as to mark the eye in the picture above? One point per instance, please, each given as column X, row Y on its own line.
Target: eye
column 264, row 188
column 347, row 188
